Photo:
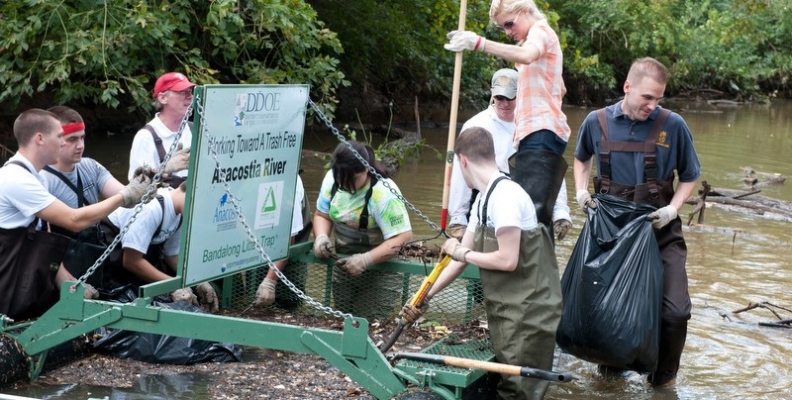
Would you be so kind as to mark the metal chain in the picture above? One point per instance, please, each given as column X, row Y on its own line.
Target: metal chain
column 152, row 188
column 371, row 169
column 252, row 237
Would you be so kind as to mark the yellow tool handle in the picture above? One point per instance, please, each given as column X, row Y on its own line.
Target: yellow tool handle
column 429, row 281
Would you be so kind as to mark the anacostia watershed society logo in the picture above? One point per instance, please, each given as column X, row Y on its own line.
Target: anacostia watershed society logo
column 225, row 216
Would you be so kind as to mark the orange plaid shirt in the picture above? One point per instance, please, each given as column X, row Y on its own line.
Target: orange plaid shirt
column 540, row 87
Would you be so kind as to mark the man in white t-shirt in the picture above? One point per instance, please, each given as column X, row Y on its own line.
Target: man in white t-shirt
column 516, row 260
column 154, row 235
column 172, row 97
column 498, row 119
column 24, row 197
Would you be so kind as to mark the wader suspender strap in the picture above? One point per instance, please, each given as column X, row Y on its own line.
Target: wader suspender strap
column 81, row 202
column 363, row 225
column 31, row 229
column 483, row 220
column 157, row 142
column 647, row 147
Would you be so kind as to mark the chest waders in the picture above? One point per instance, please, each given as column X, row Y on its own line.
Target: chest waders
column 523, row 306
column 540, row 173
column 372, row 294
column 673, row 251
column 173, row 180
column 29, row 261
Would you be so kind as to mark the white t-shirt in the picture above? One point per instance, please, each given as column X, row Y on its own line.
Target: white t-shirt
column 141, row 233
column 144, row 151
column 23, row 193
column 514, row 207
column 502, row 138
column 502, row 135
column 297, row 218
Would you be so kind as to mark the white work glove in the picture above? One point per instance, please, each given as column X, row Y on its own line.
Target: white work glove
column 464, row 40
column 585, row 201
column 410, row 313
column 322, row 247
column 180, row 160
column 184, row 294
column 89, row 292
column 265, row 295
column 355, row 264
column 453, row 248
column 561, row 227
column 663, row 216
column 135, row 190
column 207, row 297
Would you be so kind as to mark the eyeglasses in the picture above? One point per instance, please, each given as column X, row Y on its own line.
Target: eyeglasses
column 509, row 24
column 184, row 93
column 503, row 98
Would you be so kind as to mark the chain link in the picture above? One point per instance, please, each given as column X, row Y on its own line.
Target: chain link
column 152, row 188
column 371, row 169
column 252, row 237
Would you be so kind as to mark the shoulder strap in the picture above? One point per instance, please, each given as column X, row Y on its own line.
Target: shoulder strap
column 78, row 190
column 21, row 164
column 483, row 220
column 161, row 201
column 157, row 142
column 364, row 215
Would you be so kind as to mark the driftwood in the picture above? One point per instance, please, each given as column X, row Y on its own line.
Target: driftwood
column 755, row 178
column 747, row 202
column 781, row 323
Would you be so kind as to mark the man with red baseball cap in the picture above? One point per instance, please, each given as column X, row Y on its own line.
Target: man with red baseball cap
column 172, row 97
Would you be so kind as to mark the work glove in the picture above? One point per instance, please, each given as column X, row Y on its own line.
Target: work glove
column 180, row 160
column 453, row 248
column 265, row 295
column 663, row 216
column 89, row 292
column 464, row 40
column 136, row 188
column 457, row 231
column 355, row 264
column 410, row 313
column 184, row 294
column 585, row 201
column 207, row 297
column 322, row 247
column 561, row 227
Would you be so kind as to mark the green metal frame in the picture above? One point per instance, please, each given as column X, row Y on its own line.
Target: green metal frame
column 351, row 351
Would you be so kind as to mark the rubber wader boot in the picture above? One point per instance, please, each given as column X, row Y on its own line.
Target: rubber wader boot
column 540, row 173
column 672, row 342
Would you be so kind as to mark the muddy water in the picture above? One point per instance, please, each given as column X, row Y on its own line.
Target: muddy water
column 734, row 260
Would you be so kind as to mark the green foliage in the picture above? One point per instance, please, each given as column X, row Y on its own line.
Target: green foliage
column 736, row 46
column 109, row 53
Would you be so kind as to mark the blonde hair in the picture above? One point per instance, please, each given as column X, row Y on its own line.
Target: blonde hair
column 498, row 7
column 648, row 67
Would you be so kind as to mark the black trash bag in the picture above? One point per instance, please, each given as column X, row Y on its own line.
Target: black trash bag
column 613, row 289
column 163, row 349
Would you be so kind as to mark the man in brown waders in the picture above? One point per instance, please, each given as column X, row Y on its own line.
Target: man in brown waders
column 638, row 146
column 26, row 290
column 519, row 274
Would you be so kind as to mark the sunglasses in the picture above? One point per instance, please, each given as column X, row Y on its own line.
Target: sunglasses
column 509, row 24
column 185, row 93
column 503, row 98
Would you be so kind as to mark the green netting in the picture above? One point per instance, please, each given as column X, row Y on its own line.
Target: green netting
column 375, row 295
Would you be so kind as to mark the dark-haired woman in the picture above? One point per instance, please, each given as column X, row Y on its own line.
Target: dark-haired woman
column 370, row 224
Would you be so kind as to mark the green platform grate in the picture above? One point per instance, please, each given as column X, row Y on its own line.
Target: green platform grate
column 478, row 349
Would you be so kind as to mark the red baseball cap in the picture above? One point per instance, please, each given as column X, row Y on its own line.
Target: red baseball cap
column 172, row 81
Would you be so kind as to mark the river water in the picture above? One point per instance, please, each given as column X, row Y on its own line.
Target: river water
column 733, row 260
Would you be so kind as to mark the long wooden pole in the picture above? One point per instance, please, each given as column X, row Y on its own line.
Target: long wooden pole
column 453, row 120
column 499, row 368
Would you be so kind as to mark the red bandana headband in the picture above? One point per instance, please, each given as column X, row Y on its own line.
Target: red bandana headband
column 73, row 127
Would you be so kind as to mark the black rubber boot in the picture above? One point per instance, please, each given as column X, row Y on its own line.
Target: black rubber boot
column 672, row 342
column 540, row 173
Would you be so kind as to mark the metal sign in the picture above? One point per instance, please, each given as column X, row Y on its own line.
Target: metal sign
column 244, row 163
